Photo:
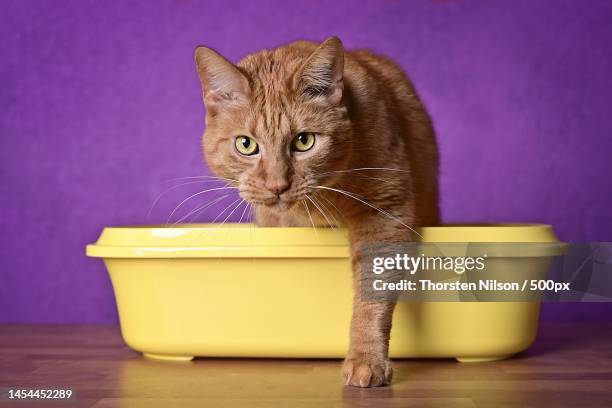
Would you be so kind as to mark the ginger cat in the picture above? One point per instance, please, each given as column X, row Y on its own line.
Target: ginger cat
column 316, row 135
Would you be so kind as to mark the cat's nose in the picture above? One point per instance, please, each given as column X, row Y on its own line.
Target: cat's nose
column 277, row 187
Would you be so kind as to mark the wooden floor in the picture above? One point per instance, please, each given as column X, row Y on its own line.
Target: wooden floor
column 570, row 365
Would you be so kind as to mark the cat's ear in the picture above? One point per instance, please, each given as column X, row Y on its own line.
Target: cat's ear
column 322, row 73
column 222, row 81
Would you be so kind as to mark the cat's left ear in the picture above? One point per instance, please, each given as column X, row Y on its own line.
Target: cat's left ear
column 322, row 73
column 222, row 81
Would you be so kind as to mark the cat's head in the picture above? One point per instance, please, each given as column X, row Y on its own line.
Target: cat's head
column 276, row 122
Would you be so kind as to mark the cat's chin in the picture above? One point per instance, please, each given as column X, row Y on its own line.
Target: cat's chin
column 280, row 205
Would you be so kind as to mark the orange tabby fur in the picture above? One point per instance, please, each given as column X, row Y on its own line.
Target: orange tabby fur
column 374, row 141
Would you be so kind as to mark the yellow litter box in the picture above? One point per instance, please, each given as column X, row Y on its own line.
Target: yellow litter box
column 244, row 291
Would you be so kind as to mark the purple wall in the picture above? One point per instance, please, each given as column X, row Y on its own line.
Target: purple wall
column 100, row 107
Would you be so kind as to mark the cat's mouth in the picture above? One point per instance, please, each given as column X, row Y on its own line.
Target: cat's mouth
column 280, row 203
column 277, row 203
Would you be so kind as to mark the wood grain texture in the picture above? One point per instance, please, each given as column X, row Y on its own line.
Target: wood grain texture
column 570, row 365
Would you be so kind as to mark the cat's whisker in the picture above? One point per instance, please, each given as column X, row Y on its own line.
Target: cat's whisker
column 217, row 217
column 358, row 173
column 195, row 195
column 225, row 209
column 166, row 191
column 246, row 207
column 310, row 218
column 360, row 169
column 195, row 212
column 220, row 226
column 330, row 213
column 204, row 177
column 333, row 205
column 251, row 215
column 320, row 210
column 230, row 214
column 372, row 178
column 353, row 196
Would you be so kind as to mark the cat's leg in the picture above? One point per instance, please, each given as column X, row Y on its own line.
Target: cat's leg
column 367, row 363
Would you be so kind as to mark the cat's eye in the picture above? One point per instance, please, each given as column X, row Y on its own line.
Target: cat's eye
column 303, row 141
column 246, row 146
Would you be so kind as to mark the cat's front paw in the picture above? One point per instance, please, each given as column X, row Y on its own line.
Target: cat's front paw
column 367, row 371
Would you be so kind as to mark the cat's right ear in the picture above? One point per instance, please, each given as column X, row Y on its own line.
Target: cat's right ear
column 222, row 81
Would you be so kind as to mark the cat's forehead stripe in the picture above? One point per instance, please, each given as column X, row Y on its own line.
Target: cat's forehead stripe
column 269, row 78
